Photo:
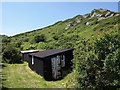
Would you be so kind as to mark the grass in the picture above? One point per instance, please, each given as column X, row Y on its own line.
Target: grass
column 0, row 76
column 21, row 76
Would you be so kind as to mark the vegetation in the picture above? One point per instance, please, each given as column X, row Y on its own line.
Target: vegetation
column 40, row 38
column 96, row 51
column 21, row 76
column 5, row 39
column 99, row 64
column 11, row 55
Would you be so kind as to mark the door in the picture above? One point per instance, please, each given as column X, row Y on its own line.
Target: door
column 56, row 67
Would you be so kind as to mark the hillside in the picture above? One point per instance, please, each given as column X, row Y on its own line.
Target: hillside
column 93, row 37
column 65, row 34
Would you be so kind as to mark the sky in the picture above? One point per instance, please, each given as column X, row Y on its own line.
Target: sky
column 20, row 17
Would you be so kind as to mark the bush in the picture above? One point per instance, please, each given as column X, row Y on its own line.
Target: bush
column 55, row 37
column 41, row 45
column 99, row 64
column 18, row 44
column 40, row 38
column 5, row 39
column 11, row 55
column 27, row 46
column 68, row 45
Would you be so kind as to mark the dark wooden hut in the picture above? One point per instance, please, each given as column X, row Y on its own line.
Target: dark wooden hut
column 25, row 54
column 51, row 64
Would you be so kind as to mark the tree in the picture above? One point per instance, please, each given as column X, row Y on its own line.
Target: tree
column 11, row 55
column 40, row 38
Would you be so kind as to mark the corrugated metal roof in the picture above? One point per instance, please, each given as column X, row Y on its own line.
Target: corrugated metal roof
column 46, row 53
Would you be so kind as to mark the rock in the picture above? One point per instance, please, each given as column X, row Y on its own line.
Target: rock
column 111, row 15
column 73, row 23
column 87, row 23
column 107, row 14
column 117, row 14
column 95, row 15
column 69, row 25
column 86, row 16
column 101, row 18
column 102, row 10
column 77, row 20
column 99, row 10
column 90, row 23
column 101, row 13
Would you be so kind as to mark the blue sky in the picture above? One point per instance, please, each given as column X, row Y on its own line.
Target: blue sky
column 21, row 17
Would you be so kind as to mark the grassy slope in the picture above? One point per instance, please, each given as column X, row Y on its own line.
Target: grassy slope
column 58, row 29
column 21, row 76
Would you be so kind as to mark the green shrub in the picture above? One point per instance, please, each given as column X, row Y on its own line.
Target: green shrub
column 55, row 37
column 5, row 39
column 41, row 45
column 99, row 64
column 27, row 46
column 40, row 38
column 11, row 55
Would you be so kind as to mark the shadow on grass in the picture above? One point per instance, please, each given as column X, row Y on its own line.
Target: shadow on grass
column 65, row 72
column 3, row 65
column 20, row 62
column 4, row 88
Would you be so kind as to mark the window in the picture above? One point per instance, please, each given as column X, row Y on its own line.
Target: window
column 56, row 67
column 32, row 60
column 63, row 61
column 58, row 59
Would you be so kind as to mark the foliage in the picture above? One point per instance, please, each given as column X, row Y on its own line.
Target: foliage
column 5, row 39
column 41, row 45
column 11, row 55
column 18, row 44
column 40, row 38
column 55, row 37
column 99, row 64
column 27, row 46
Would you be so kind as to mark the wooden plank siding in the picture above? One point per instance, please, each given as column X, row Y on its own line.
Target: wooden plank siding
column 51, row 64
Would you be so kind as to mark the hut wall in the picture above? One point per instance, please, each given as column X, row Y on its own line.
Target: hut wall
column 44, row 66
column 68, row 59
column 47, row 68
column 36, row 65
column 25, row 56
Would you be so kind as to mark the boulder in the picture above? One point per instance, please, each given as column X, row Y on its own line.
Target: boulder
column 87, row 23
column 86, row 16
column 117, row 14
column 77, row 20
column 69, row 25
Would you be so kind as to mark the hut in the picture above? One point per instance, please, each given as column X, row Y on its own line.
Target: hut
column 25, row 54
column 51, row 64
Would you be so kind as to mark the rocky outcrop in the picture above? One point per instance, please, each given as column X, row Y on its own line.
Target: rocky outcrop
column 86, row 15
column 71, row 24
column 75, row 21
column 96, row 13
column 117, row 14
column 101, row 14
column 107, row 14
